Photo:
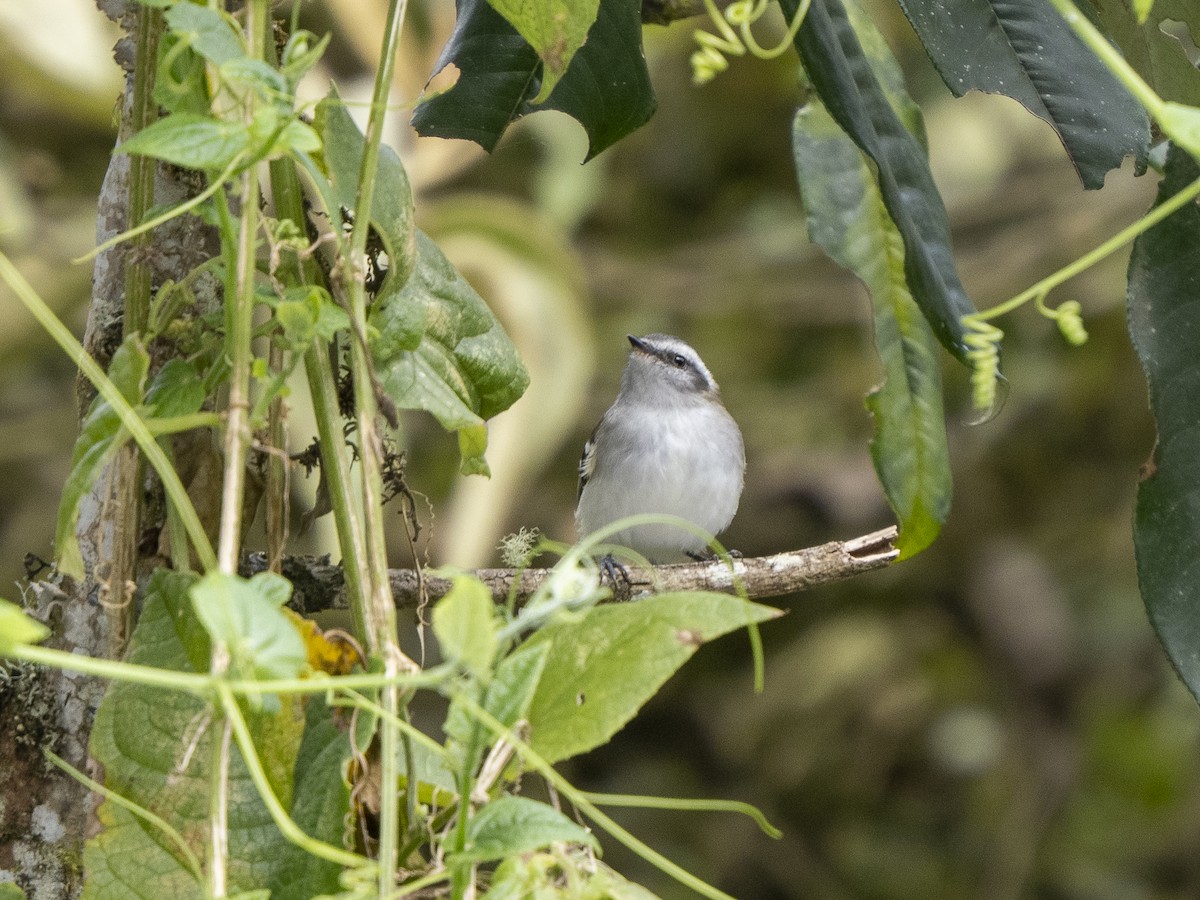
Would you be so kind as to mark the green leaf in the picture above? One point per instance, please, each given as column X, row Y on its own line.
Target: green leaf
column 1157, row 56
column 190, row 140
column 392, row 206
column 464, row 623
column 606, row 87
column 1027, row 51
column 843, row 76
column 211, row 33
column 508, row 826
column 847, row 218
column 154, row 747
column 601, row 668
column 438, row 347
column 128, row 859
column 246, row 616
column 1164, row 323
column 540, row 876
column 320, row 804
column 177, row 390
column 508, row 695
column 555, row 30
column 100, row 437
column 18, row 628
column 1142, row 9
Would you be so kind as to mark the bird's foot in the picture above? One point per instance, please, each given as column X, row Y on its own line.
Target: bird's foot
column 616, row 577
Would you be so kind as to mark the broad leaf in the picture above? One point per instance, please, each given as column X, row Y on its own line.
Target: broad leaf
column 601, row 668
column 392, row 204
column 508, row 826
column 554, row 30
column 847, row 218
column 247, row 617
column 464, row 624
column 844, row 78
column 606, row 87
column 1026, row 51
column 154, row 747
column 439, row 348
column 1164, row 322
column 320, row 803
column 191, row 140
column 131, row 859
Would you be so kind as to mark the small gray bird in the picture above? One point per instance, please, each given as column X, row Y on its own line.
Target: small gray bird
column 666, row 445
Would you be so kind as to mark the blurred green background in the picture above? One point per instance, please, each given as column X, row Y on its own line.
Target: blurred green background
column 993, row 719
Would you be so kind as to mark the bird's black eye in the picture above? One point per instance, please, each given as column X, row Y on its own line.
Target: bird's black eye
column 680, row 361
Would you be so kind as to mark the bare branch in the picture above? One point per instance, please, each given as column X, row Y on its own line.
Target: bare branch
column 318, row 583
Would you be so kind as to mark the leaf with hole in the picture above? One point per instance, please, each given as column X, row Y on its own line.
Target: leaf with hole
column 601, row 668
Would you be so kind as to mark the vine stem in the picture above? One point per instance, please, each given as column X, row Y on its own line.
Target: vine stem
column 1114, row 243
column 380, row 612
column 130, row 420
column 239, row 323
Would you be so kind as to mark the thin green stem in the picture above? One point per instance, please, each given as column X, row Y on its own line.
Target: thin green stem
column 218, row 817
column 189, row 858
column 589, row 809
column 176, row 493
column 143, row 112
column 176, row 424
column 380, row 614
column 239, row 323
column 286, row 825
column 1114, row 243
column 212, row 190
column 1110, row 56
column 637, row 801
column 417, row 884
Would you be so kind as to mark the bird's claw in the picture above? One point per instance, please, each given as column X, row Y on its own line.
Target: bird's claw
column 616, row 577
column 708, row 555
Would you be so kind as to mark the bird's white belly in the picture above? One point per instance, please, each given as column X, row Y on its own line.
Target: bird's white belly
column 675, row 473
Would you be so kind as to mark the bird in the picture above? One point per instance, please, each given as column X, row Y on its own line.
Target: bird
column 666, row 445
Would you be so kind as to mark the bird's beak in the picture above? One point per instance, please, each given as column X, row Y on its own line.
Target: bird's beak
column 638, row 343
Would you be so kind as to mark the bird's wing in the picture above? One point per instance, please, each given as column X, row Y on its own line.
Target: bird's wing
column 587, row 460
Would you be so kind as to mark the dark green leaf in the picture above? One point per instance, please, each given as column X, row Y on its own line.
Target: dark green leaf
column 177, row 390
column 847, row 218
column 606, row 87
column 601, row 668
column 246, row 616
column 508, row 826
column 439, row 348
column 320, row 803
column 844, row 79
column 1158, row 57
column 1025, row 50
column 1164, row 322
column 154, row 747
column 392, row 207
column 191, row 140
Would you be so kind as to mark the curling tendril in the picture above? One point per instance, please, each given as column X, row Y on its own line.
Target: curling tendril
column 708, row 61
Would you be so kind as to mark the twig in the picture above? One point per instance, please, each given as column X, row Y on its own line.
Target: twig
column 318, row 583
